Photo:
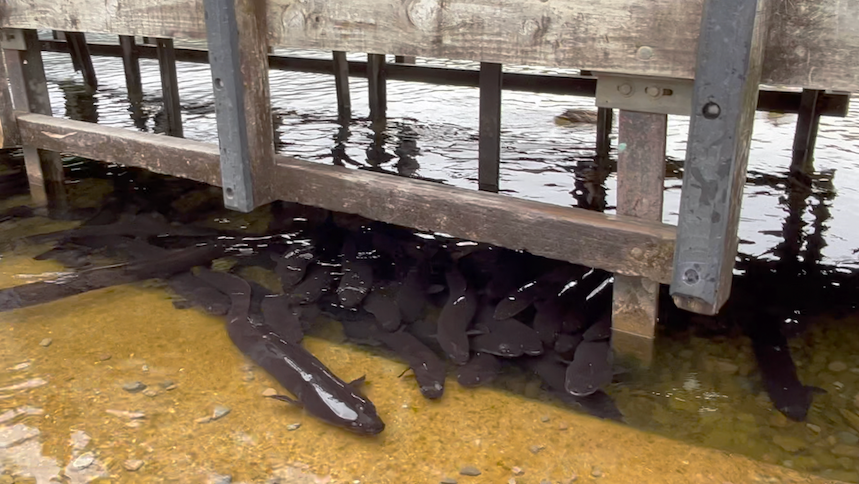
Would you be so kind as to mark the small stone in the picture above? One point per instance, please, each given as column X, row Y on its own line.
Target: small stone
column 145, row 368
column 269, row 392
column 837, row 366
column 563, row 426
column 104, row 357
column 166, row 384
column 448, row 480
column 248, row 377
column 133, row 387
column 517, row 471
column 596, row 472
column 26, row 364
column 788, row 443
column 124, row 414
column 170, row 387
column 247, row 367
column 150, row 393
column 132, row 465
column 83, row 461
column 512, row 480
column 844, row 450
column 16, row 434
column 544, row 418
column 570, row 480
column 293, row 426
column 535, row 448
column 46, row 342
column 470, row 471
column 779, row 420
column 134, row 424
column 220, row 479
column 220, row 411
column 848, row 438
column 813, row 428
column 205, row 419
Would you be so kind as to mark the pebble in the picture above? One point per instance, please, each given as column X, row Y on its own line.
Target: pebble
column 150, row 393
column 517, row 471
column 248, row 377
column 35, row 382
column 220, row 411
column 269, row 392
column 132, row 465
column 46, row 342
column 16, row 434
column 470, row 471
column 512, row 480
column 134, row 387
column 247, row 367
column 570, row 480
column 83, row 461
column 788, row 443
column 813, row 428
column 563, row 426
column 848, row 438
column 448, row 480
column 166, row 384
column 844, row 450
column 293, row 426
column 104, row 357
column 544, row 418
column 596, row 472
column 837, row 366
column 536, row 448
column 220, row 479
column 779, row 420
column 144, row 368
column 26, row 364
column 124, row 414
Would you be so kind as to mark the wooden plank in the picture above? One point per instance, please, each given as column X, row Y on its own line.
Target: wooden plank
column 8, row 127
column 29, row 90
column 169, row 86
column 615, row 243
column 341, row 84
column 131, row 65
column 82, row 59
column 377, row 84
column 807, row 125
column 640, row 183
column 720, row 131
column 489, row 138
column 810, row 44
column 604, row 124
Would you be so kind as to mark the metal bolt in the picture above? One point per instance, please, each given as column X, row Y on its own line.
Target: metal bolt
column 624, row 89
column 653, row 91
column 691, row 277
column 711, row 110
column 644, row 52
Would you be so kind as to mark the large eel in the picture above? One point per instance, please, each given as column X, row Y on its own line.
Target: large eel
column 316, row 389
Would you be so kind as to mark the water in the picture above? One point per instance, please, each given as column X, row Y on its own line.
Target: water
column 703, row 387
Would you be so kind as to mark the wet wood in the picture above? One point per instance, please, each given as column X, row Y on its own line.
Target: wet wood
column 8, row 127
column 810, row 44
column 604, row 123
column 81, row 58
column 29, row 91
column 131, row 65
column 640, row 182
column 618, row 244
column 169, row 86
column 404, row 59
column 341, row 84
column 489, row 150
column 807, row 125
column 376, row 82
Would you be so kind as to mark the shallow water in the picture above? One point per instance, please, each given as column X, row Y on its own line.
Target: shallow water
column 703, row 387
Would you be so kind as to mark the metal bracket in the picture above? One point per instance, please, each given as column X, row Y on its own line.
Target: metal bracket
column 224, row 58
column 13, row 39
column 644, row 94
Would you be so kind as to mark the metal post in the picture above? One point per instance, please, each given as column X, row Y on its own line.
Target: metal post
column 341, row 83
column 238, row 55
column 376, row 82
column 725, row 93
column 169, row 86
column 489, row 150
column 640, row 181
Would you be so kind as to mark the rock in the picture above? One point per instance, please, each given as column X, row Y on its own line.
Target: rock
column 166, row 384
column 220, row 479
column 205, row 419
column 517, row 471
column 851, row 418
column 848, row 438
column 837, row 366
column 46, row 342
column 83, row 461
column 132, row 465
column 596, row 472
column 133, row 387
column 79, row 440
column 779, row 420
column 470, row 471
column 170, row 387
column 16, row 434
column 448, row 480
column 570, row 480
column 788, row 443
column 150, row 393
column 844, row 450
column 813, row 428
column 535, row 448
column 124, row 414
column 26, row 364
column 269, row 392
column 544, row 418
column 563, row 426
column 293, row 426
column 248, row 377
column 220, row 411
column 104, row 357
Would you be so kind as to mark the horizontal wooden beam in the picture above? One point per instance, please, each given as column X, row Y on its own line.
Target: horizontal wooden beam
column 618, row 244
column 830, row 104
column 810, row 44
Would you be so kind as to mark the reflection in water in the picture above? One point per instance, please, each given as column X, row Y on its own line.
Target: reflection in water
column 81, row 103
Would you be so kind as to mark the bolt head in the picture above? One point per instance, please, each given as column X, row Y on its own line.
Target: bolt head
column 624, row 89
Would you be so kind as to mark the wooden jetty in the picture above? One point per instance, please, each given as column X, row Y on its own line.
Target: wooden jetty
column 703, row 58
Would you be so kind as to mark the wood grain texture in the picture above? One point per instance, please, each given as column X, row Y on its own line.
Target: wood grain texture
column 618, row 244
column 811, row 43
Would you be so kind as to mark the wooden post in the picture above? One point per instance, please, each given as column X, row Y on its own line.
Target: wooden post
column 376, row 83
column 404, row 59
column 640, row 182
column 81, row 58
column 131, row 64
column 238, row 53
column 8, row 125
column 341, row 82
column 806, row 132
column 489, row 151
column 29, row 90
column 604, row 123
column 169, row 86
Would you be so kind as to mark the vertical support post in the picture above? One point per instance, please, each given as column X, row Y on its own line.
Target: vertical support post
column 640, row 183
column 341, row 83
column 169, row 86
column 604, row 122
column 724, row 97
column 81, row 58
column 376, row 82
column 236, row 31
column 404, row 59
column 131, row 64
column 805, row 138
column 489, row 144
column 9, row 135
column 29, row 90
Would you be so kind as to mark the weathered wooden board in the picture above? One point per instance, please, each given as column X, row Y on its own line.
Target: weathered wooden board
column 811, row 43
column 618, row 244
